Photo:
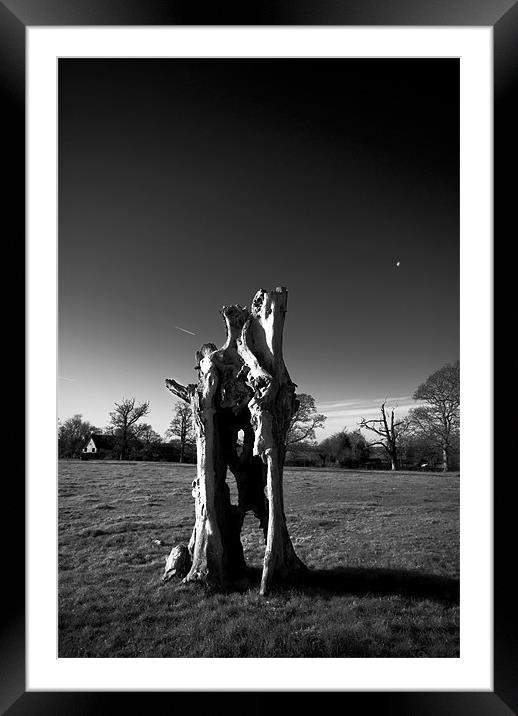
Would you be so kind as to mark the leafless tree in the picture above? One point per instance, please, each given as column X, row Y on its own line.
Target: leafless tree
column 145, row 434
column 123, row 420
column 181, row 426
column 245, row 385
column 439, row 419
column 305, row 421
column 389, row 431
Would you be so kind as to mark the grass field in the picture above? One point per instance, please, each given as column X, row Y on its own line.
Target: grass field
column 383, row 551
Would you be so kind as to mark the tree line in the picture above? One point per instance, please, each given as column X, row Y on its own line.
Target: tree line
column 427, row 438
column 127, row 437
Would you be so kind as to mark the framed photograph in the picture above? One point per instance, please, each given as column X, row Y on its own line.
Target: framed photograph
column 174, row 166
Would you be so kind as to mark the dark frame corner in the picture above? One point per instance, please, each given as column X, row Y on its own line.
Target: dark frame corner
column 15, row 16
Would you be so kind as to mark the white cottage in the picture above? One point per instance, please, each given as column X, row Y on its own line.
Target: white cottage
column 91, row 447
column 99, row 443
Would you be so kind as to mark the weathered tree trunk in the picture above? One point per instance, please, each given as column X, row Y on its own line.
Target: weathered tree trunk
column 242, row 386
column 445, row 459
column 271, row 408
column 216, row 551
column 122, row 450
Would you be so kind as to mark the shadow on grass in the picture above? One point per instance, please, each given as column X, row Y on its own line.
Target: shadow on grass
column 376, row 582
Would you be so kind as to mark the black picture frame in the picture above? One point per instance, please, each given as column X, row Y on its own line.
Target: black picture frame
column 15, row 17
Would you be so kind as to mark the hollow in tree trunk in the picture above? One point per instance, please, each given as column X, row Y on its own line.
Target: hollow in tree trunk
column 242, row 386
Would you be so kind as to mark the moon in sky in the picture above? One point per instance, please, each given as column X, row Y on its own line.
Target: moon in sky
column 397, row 263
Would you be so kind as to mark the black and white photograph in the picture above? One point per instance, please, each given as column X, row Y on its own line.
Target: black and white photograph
column 259, row 358
column 258, row 245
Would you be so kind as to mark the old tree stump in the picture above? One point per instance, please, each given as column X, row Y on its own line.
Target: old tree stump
column 244, row 385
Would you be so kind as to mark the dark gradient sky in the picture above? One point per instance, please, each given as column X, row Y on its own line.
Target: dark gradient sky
column 188, row 184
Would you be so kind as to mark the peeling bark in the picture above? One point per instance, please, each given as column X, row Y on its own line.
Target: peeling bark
column 242, row 386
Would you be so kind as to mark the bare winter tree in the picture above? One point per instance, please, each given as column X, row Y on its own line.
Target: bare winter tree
column 123, row 422
column 389, row 431
column 244, row 385
column 305, row 421
column 145, row 434
column 181, row 427
column 439, row 419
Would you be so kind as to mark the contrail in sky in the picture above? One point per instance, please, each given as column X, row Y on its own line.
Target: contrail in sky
column 71, row 380
column 185, row 331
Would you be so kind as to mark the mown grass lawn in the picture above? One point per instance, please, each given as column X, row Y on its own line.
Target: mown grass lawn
column 383, row 552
